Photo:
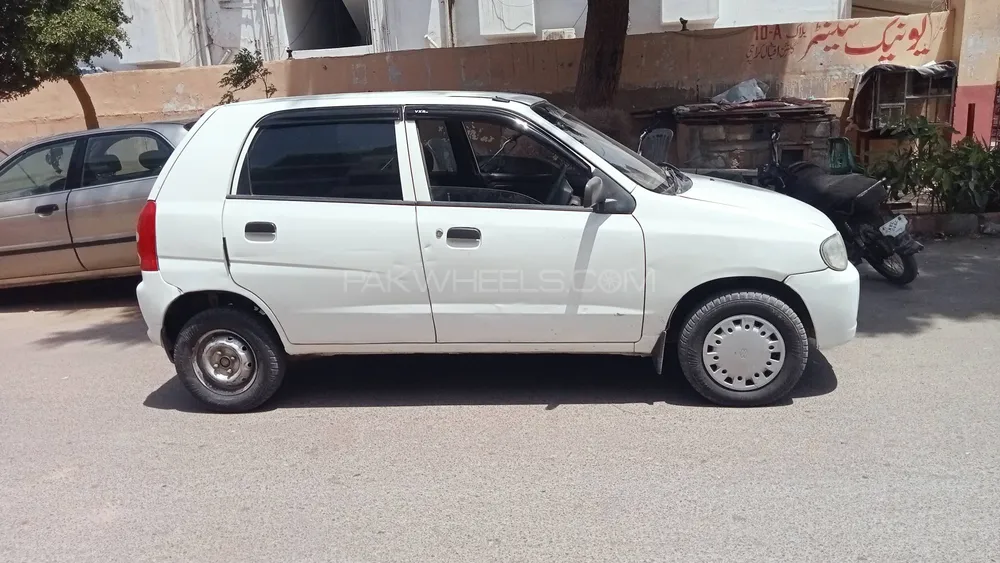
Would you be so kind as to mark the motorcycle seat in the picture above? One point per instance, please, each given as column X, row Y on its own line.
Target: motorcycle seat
column 828, row 191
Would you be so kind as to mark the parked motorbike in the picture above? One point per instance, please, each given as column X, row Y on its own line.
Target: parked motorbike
column 854, row 203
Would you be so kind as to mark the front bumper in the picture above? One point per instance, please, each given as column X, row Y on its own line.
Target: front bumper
column 832, row 300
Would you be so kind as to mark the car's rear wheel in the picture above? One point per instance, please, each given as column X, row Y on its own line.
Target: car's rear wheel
column 229, row 360
column 743, row 349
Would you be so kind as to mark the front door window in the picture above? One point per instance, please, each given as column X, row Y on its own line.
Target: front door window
column 496, row 161
column 37, row 172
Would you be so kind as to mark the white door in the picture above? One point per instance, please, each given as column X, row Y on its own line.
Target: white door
column 533, row 275
column 323, row 229
column 511, row 255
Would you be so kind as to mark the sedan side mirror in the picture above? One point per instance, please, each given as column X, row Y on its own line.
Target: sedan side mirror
column 593, row 193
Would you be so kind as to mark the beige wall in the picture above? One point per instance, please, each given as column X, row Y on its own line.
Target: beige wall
column 978, row 45
column 812, row 59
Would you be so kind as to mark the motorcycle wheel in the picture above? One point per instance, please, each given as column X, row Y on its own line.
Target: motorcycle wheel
column 899, row 270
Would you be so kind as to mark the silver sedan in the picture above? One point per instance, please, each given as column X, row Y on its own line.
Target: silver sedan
column 69, row 203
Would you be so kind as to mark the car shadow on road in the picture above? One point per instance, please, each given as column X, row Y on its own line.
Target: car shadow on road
column 70, row 297
column 126, row 327
column 428, row 380
column 957, row 281
column 73, row 299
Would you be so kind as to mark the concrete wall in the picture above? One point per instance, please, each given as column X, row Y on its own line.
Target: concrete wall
column 408, row 22
column 977, row 42
column 811, row 59
column 198, row 32
column 883, row 8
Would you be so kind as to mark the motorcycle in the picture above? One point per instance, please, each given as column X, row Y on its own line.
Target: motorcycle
column 854, row 203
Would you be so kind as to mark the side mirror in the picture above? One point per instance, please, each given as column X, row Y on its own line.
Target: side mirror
column 593, row 193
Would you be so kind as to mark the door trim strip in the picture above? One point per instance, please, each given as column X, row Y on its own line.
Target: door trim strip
column 68, row 246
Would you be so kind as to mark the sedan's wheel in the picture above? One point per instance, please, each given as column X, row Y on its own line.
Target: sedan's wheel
column 743, row 349
column 229, row 360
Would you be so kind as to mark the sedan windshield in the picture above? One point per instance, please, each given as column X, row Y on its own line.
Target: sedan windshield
column 667, row 180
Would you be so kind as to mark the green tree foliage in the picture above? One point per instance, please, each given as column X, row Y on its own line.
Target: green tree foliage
column 248, row 67
column 45, row 40
column 963, row 177
column 16, row 70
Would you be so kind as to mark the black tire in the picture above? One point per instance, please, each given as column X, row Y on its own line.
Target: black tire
column 902, row 277
column 719, row 308
column 268, row 365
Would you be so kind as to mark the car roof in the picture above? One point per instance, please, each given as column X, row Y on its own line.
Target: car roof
column 146, row 125
column 397, row 98
column 167, row 128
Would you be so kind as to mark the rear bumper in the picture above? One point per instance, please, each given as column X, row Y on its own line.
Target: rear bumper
column 832, row 300
column 154, row 296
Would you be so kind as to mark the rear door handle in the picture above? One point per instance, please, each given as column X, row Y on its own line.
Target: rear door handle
column 260, row 231
column 464, row 233
column 46, row 210
column 260, row 228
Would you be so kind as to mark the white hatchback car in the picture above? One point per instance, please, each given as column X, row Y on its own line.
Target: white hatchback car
column 464, row 222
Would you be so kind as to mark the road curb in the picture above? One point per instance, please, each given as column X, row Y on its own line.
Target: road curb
column 955, row 224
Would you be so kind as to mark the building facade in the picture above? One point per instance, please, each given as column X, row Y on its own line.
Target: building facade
column 183, row 33
column 809, row 59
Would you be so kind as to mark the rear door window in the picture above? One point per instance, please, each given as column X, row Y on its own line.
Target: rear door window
column 122, row 157
column 353, row 160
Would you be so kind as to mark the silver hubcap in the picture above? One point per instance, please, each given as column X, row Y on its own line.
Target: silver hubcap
column 743, row 353
column 224, row 362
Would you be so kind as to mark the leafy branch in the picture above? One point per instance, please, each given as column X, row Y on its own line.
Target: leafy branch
column 958, row 178
column 248, row 68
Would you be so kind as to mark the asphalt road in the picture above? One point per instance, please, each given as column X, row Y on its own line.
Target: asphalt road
column 889, row 450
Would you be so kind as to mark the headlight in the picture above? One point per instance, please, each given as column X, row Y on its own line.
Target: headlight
column 834, row 252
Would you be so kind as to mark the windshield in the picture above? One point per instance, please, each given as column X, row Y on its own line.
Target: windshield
column 668, row 180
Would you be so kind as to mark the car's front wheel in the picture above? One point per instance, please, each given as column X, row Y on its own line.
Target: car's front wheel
column 229, row 360
column 743, row 349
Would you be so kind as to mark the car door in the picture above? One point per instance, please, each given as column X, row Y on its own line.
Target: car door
column 34, row 237
column 503, row 271
column 119, row 170
column 322, row 228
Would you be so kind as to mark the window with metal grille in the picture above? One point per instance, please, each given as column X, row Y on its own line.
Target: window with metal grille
column 910, row 94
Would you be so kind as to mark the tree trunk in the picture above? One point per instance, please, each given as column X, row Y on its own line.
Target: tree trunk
column 603, row 48
column 89, row 113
